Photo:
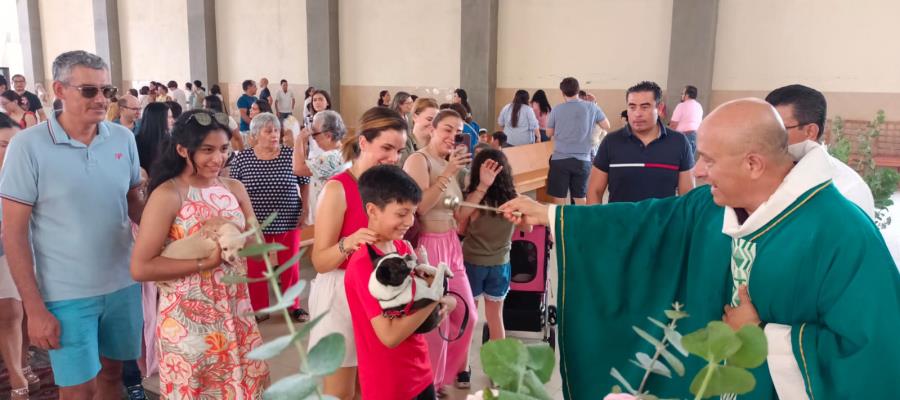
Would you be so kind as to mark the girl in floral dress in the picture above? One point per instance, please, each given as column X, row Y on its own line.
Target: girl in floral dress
column 203, row 324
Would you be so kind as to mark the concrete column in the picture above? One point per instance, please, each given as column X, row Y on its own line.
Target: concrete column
column 202, row 46
column 478, row 58
column 323, row 47
column 30, row 37
column 106, row 36
column 692, row 50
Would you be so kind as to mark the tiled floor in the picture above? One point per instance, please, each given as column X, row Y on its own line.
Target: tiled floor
column 286, row 363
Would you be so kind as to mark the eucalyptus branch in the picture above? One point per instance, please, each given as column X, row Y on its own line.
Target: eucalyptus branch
column 653, row 360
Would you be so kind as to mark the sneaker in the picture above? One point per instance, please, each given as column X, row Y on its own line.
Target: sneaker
column 300, row 315
column 136, row 392
column 463, row 379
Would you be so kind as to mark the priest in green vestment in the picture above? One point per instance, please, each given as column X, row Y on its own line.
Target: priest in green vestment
column 819, row 276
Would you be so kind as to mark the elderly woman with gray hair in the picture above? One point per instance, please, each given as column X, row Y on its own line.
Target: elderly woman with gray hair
column 266, row 171
column 327, row 130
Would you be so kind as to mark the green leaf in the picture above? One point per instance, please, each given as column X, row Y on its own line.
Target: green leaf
column 234, row 279
column 674, row 339
column 725, row 379
column 258, row 249
column 618, row 376
column 714, row 343
column 646, row 336
column 507, row 395
column 534, row 387
column 268, row 221
column 754, row 348
column 291, row 387
column 656, row 366
column 671, row 335
column 290, row 262
column 272, row 348
column 676, row 315
column 326, row 356
column 541, row 360
column 504, row 361
column 307, row 327
column 287, row 299
column 673, row 361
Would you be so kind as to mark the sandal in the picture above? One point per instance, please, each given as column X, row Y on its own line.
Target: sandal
column 442, row 393
column 30, row 376
column 300, row 315
column 19, row 394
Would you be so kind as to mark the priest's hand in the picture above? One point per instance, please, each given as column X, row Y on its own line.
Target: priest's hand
column 532, row 212
column 744, row 314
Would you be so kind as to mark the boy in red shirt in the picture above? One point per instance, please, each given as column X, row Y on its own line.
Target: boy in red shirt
column 393, row 360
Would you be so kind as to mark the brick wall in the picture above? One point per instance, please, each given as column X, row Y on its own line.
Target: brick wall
column 885, row 145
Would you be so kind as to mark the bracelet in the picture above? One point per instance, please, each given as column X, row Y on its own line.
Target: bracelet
column 341, row 247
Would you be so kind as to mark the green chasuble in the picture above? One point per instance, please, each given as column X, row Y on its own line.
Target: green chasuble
column 818, row 266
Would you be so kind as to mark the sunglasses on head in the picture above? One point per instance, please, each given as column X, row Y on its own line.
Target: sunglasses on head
column 91, row 91
column 205, row 118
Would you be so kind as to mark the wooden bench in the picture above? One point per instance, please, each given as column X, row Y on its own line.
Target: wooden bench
column 530, row 164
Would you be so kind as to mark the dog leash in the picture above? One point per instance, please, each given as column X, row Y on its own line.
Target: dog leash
column 465, row 321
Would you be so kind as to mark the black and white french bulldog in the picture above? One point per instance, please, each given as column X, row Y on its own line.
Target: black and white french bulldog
column 397, row 277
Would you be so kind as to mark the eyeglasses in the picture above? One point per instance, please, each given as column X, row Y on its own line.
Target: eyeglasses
column 787, row 128
column 205, row 118
column 314, row 134
column 91, row 91
column 131, row 108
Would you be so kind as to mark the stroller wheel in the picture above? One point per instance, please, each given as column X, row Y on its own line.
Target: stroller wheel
column 551, row 338
column 551, row 317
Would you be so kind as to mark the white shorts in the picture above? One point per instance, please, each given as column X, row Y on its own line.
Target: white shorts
column 327, row 293
column 7, row 286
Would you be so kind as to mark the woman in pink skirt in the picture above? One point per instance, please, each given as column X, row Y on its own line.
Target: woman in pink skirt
column 435, row 169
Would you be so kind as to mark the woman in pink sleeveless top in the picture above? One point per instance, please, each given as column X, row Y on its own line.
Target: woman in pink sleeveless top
column 340, row 230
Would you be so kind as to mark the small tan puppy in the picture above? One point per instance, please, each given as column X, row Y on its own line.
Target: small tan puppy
column 202, row 243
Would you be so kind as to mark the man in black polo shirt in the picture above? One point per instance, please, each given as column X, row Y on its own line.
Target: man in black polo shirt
column 644, row 159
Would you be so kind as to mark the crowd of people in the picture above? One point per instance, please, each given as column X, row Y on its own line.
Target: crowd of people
column 162, row 161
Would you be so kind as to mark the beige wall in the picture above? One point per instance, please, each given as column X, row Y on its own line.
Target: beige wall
column 67, row 25
column 540, row 42
column 841, row 48
column 153, row 37
column 261, row 39
column 409, row 43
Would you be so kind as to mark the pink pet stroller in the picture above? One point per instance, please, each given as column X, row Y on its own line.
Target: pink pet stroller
column 527, row 307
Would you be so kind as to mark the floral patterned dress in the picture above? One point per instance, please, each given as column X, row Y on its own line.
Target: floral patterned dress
column 204, row 325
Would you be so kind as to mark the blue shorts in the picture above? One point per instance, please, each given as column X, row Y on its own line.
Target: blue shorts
column 492, row 280
column 109, row 326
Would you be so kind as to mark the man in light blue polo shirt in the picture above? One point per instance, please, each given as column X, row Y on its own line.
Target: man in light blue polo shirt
column 571, row 125
column 70, row 184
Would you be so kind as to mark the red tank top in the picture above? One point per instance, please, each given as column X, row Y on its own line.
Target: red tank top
column 355, row 215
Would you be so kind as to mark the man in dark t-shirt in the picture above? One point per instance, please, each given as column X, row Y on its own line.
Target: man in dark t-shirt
column 34, row 102
column 644, row 159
